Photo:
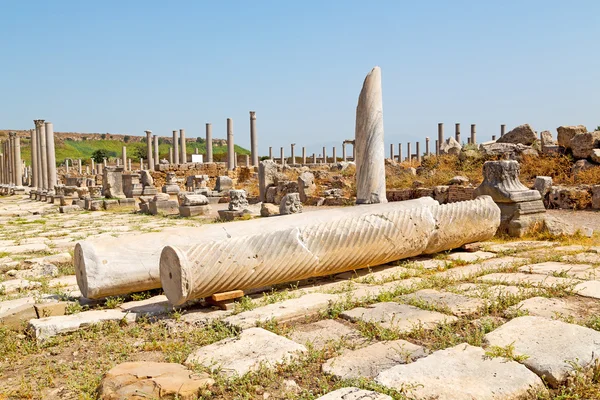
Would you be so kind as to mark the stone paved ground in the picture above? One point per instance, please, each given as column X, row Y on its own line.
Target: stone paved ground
column 504, row 320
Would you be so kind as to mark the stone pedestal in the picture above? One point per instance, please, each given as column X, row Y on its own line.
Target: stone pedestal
column 171, row 188
column 112, row 182
column 521, row 208
column 132, row 186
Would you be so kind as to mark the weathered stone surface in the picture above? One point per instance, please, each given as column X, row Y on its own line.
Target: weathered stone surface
column 247, row 352
column 546, row 138
column 588, row 289
column 369, row 151
column 501, row 181
column 459, row 180
column 283, row 311
column 510, row 150
column 252, row 252
column 112, row 182
column 156, row 305
column 306, row 185
column 553, row 347
column 581, row 165
column 353, row 393
column 550, row 308
column 268, row 210
column 169, row 207
column 290, row 204
column 51, row 309
column 69, row 209
column 14, row 317
column 17, row 285
column 369, row 361
column 267, row 173
column 191, row 199
column 450, row 146
column 580, row 271
column 45, row 328
column 224, row 184
column 320, row 333
column 237, row 200
column 462, row 372
column 455, row 303
column 531, row 279
column 471, row 256
column 400, row 317
column 595, row 156
column 192, row 211
column 582, row 144
column 566, row 133
column 543, row 184
column 522, row 134
column 145, row 379
column 38, row 270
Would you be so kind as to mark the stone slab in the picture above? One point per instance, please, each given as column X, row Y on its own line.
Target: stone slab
column 457, row 304
column 354, row 393
column 400, row 317
column 535, row 280
column 51, row 309
column 427, row 263
column 156, row 305
column 286, row 310
column 588, row 289
column 469, row 271
column 369, row 361
column 45, row 328
column 552, row 347
column 25, row 248
column 17, row 285
column 551, row 308
column 580, row 271
column 152, row 380
column 247, row 352
column 375, row 274
column 319, row 334
column 462, row 372
column 13, row 318
column 518, row 246
column 471, row 256
column 372, row 291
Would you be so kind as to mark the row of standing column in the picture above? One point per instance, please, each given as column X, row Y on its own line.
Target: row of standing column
column 179, row 148
column 43, row 156
column 323, row 158
column 11, row 166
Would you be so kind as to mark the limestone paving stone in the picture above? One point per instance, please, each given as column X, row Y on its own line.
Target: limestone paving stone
column 17, row 285
column 320, row 333
column 592, row 258
column 552, row 347
column 247, row 352
column 462, row 372
column 25, row 248
column 45, row 328
column 145, row 379
column 354, row 393
column 471, row 256
column 400, row 317
column 156, row 305
column 459, row 305
column 14, row 317
column 580, row 271
column 518, row 246
column 551, row 308
column 588, row 289
column 383, row 272
column 472, row 270
column 530, row 279
column 372, row 291
column 369, row 361
column 286, row 310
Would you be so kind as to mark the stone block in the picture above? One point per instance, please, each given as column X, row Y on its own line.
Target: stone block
column 354, row 393
column 582, row 144
column 110, row 204
column 566, row 133
column 596, row 197
column 44, row 310
column 290, row 204
column 168, row 207
column 237, row 200
column 460, row 193
column 130, row 203
column 112, row 182
column 306, row 185
column 191, row 199
column 543, row 184
column 268, row 210
column 69, row 209
column 522, row 134
column 192, row 211
column 15, row 317
column 224, row 184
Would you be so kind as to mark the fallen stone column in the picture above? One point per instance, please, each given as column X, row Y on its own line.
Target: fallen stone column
column 116, row 266
column 320, row 243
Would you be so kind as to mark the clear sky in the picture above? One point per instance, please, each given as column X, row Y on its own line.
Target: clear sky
column 126, row 66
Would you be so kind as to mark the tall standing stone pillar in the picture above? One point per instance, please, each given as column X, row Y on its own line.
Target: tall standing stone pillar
column 493, row 137
column 93, row 166
column 2, row 166
column 303, row 155
column 176, row 147
column 43, row 156
column 34, row 156
column 427, row 146
column 399, row 152
column 369, row 148
column 314, row 157
column 344, row 157
column 271, row 153
column 334, row 155
column 170, row 155
column 230, row 146
column 9, row 153
column 473, row 134
column 129, row 163
column 324, row 155
column 209, row 149
column 149, row 150
column 440, row 138
column 418, row 150
column 282, row 156
column 156, row 155
column 80, row 166
column 392, row 151
column 293, row 154
column 52, row 179
column 408, row 154
column 253, row 141
column 457, row 132
column 124, row 157
column 183, row 152
column 502, row 130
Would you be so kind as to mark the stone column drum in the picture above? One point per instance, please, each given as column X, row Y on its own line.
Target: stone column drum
column 34, row 156
column 43, row 156
column 209, row 149
column 281, row 156
column 124, row 158
column 230, row 146
column 473, row 134
column 369, row 145
column 427, row 146
column 457, row 132
column 252, row 254
column 183, row 152
column 324, row 155
column 253, row 141
column 149, row 150
column 156, row 155
column 52, row 178
column 440, row 139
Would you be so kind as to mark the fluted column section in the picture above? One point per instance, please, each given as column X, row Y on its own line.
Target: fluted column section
column 230, row 146
column 209, row 149
column 369, row 143
column 250, row 254
column 50, row 148
column 149, row 150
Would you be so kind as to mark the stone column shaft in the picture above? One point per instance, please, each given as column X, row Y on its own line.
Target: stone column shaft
column 292, row 154
column 392, row 151
column 303, row 155
column 18, row 162
column 282, row 156
column 271, row 152
column 427, row 146
column 457, row 132
column 183, row 152
column 437, row 147
column 440, row 138
column 209, row 149
column 176, row 147
column 473, row 134
column 44, row 156
column 502, row 130
column 253, row 140
column 334, row 155
column 156, row 155
column 408, row 151
column 149, row 150
column 34, row 156
column 344, row 157
column 52, row 178
column 418, row 149
column 324, row 155
column 124, row 157
column 399, row 152
column 170, row 155
column 230, row 146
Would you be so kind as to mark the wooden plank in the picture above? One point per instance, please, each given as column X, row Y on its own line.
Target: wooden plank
column 234, row 294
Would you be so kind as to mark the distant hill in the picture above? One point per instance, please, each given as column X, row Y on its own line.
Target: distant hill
column 82, row 145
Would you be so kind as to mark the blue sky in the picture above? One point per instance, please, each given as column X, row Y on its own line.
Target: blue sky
column 128, row 66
